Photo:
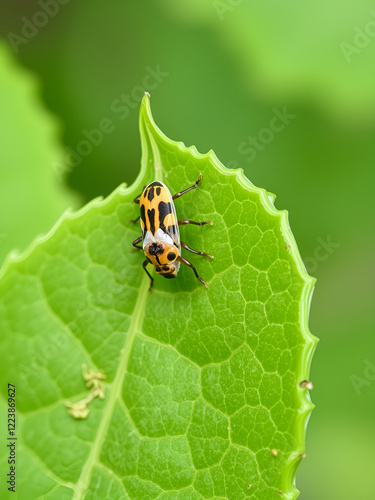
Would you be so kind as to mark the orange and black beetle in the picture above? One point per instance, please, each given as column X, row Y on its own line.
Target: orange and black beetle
column 160, row 231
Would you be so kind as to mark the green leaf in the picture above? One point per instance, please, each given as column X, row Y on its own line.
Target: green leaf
column 32, row 195
column 201, row 384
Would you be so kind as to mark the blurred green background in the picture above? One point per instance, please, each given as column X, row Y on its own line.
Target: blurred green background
column 221, row 73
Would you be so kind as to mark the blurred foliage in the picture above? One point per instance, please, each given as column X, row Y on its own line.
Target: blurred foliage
column 291, row 48
column 225, row 77
column 31, row 195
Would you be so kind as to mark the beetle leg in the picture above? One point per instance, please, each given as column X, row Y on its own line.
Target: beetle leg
column 135, row 243
column 187, row 263
column 149, row 275
column 177, row 195
column 135, row 220
column 184, row 222
column 184, row 245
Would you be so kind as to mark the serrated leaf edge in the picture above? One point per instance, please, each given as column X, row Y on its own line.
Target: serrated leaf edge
column 289, row 490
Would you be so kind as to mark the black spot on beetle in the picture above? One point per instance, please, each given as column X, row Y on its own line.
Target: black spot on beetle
column 151, row 218
column 169, row 276
column 164, row 210
column 158, row 191
column 171, row 256
column 143, row 215
column 151, row 194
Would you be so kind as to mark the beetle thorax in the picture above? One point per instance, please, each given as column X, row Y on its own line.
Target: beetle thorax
column 160, row 253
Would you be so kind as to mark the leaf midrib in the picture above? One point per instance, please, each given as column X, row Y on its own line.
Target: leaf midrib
column 137, row 317
column 93, row 458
